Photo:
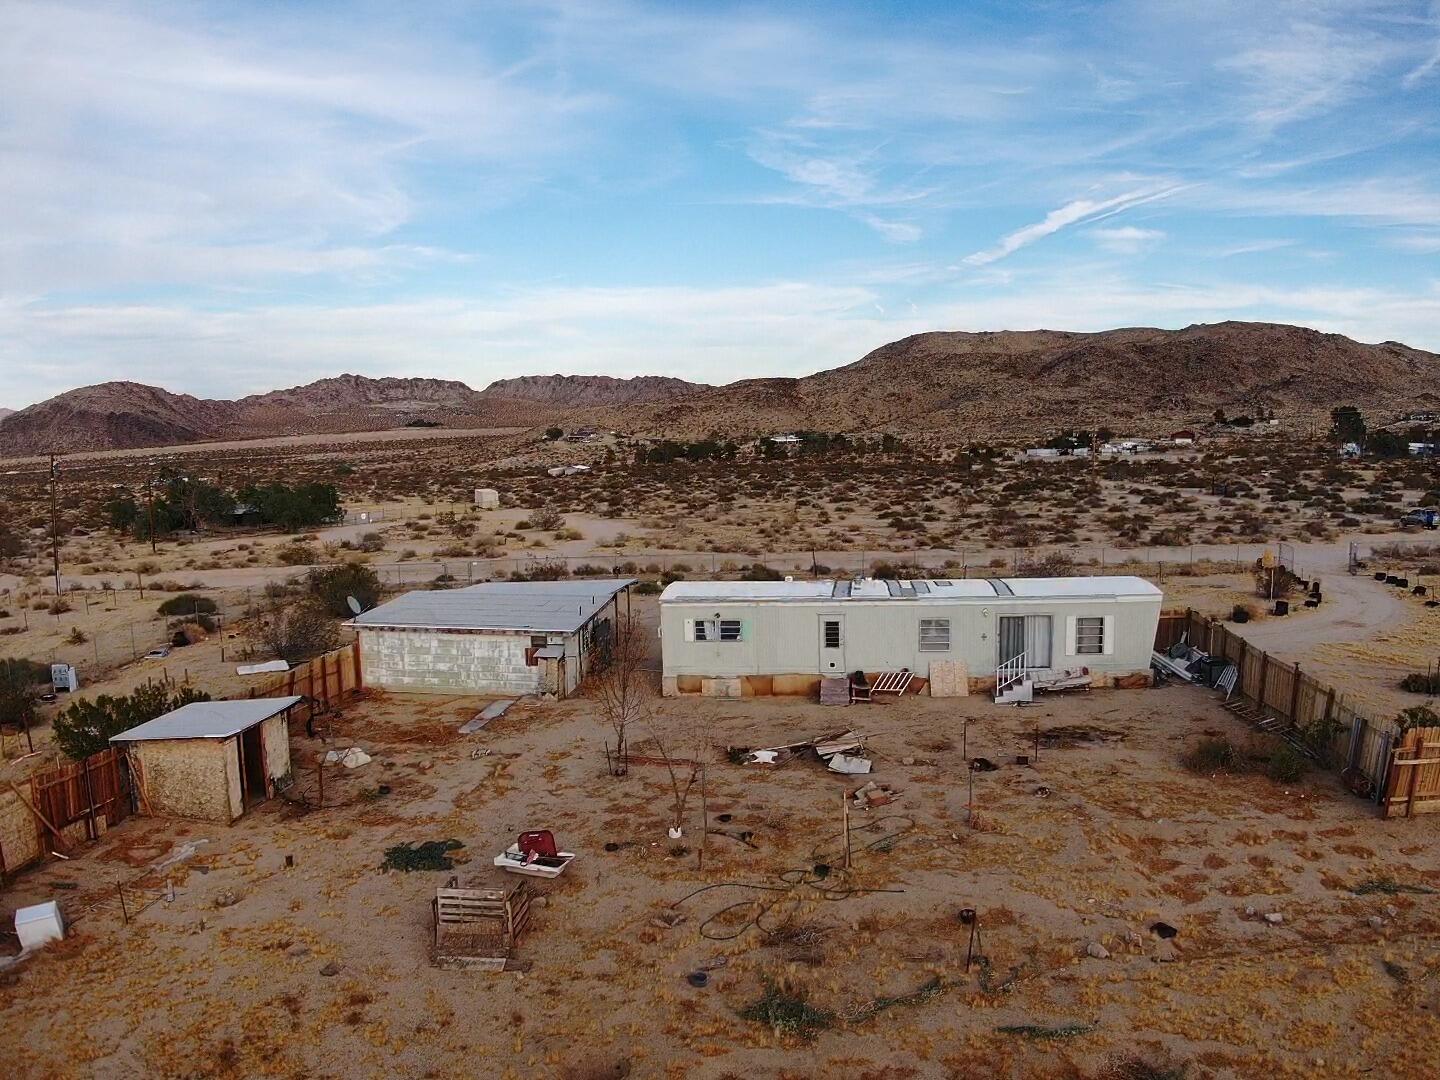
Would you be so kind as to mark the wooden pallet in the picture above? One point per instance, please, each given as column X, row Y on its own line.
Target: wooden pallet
column 479, row 928
column 1260, row 718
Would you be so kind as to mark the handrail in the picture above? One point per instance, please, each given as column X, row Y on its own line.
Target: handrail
column 1010, row 672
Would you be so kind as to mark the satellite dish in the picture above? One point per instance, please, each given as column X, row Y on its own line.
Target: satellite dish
column 354, row 604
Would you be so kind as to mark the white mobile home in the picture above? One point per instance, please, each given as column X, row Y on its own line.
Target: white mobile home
column 738, row 638
column 502, row 637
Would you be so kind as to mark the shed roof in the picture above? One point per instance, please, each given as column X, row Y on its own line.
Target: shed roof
column 921, row 590
column 559, row 607
column 208, row 719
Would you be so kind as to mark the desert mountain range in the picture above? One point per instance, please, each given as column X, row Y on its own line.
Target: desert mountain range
column 965, row 385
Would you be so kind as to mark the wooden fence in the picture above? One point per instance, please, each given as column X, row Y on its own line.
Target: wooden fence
column 324, row 681
column 65, row 804
column 1361, row 748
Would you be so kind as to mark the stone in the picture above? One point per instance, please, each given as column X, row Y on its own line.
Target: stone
column 228, row 898
column 1165, row 952
column 1134, row 937
column 1097, row 951
column 1391, row 911
column 298, row 950
column 1250, row 911
column 907, row 761
column 1145, row 813
column 331, row 969
column 1274, row 918
column 1377, row 923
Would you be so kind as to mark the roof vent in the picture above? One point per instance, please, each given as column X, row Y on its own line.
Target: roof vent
column 789, row 578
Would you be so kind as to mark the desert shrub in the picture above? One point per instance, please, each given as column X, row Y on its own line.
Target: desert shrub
column 760, row 572
column 298, row 633
column 1286, row 764
column 1421, row 682
column 546, row 519
column 1211, row 755
column 371, row 541
column 648, row 588
column 542, row 570
column 297, row 554
column 332, row 587
column 58, row 606
column 86, row 726
column 76, row 636
column 589, row 570
column 188, row 603
column 1417, row 716
column 20, row 681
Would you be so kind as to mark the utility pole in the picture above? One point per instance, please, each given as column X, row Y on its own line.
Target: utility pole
column 55, row 522
column 150, row 492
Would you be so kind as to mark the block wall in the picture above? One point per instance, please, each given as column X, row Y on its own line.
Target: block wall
column 428, row 661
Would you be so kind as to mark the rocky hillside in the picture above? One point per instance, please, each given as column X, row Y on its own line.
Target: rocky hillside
column 1021, row 383
column 1012, row 385
column 586, row 391
column 346, row 392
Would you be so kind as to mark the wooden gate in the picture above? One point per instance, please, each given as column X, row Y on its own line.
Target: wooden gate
column 84, row 791
column 1414, row 784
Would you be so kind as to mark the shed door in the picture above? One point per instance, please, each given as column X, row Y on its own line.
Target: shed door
column 832, row 644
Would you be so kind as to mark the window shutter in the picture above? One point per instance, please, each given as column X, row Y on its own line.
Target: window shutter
column 689, row 629
column 1069, row 635
column 1108, row 648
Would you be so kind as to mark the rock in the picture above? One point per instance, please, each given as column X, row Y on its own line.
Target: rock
column 1390, row 911
column 1097, row 951
column 228, row 898
column 540, row 901
column 1134, row 937
column 1145, row 813
column 1377, row 923
column 907, row 761
column 1274, row 918
column 330, row 969
column 1165, row 952
column 1250, row 911
column 298, row 950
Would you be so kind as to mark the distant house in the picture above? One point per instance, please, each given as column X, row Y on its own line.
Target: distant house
column 567, row 470
column 245, row 514
column 1423, row 449
column 1183, row 438
column 784, row 439
column 580, row 435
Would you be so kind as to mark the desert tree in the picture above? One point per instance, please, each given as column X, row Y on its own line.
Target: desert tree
column 624, row 690
column 683, row 744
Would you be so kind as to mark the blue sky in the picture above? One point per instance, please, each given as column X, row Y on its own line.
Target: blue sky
column 226, row 198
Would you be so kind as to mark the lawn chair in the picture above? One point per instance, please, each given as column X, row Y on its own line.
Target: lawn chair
column 536, row 855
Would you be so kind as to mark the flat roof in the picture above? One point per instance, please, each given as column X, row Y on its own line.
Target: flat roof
column 921, row 590
column 208, row 719
column 557, row 607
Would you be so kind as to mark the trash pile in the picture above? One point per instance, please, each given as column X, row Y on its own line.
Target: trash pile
column 1185, row 662
column 837, row 751
column 871, row 794
column 431, row 855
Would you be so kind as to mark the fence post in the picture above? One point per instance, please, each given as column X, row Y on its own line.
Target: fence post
column 1295, row 695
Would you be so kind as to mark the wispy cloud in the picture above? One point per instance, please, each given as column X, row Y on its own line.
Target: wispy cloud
column 1126, row 239
column 1072, row 213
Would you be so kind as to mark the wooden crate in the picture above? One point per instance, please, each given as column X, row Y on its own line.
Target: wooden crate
column 479, row 928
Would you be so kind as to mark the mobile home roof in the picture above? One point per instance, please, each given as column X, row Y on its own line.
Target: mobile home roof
column 921, row 590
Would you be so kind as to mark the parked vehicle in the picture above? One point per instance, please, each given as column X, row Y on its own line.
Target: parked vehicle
column 1427, row 517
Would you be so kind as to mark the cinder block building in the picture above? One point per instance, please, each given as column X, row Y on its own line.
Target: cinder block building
column 500, row 637
column 211, row 759
column 741, row 638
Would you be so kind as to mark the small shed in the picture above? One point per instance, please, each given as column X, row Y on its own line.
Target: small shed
column 487, row 498
column 500, row 637
column 211, row 760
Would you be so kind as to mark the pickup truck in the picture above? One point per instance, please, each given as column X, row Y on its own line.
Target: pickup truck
column 1426, row 517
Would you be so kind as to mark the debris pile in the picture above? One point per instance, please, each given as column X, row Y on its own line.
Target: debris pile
column 838, row 751
column 872, row 794
column 431, row 855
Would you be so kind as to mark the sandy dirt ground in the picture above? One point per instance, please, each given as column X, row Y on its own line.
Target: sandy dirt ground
column 321, row 970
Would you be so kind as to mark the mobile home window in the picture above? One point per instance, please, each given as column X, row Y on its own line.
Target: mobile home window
column 832, row 633
column 934, row 635
column 717, row 630
column 1089, row 634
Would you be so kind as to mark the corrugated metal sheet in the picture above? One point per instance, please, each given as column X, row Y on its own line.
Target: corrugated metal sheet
column 560, row 607
column 208, row 719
